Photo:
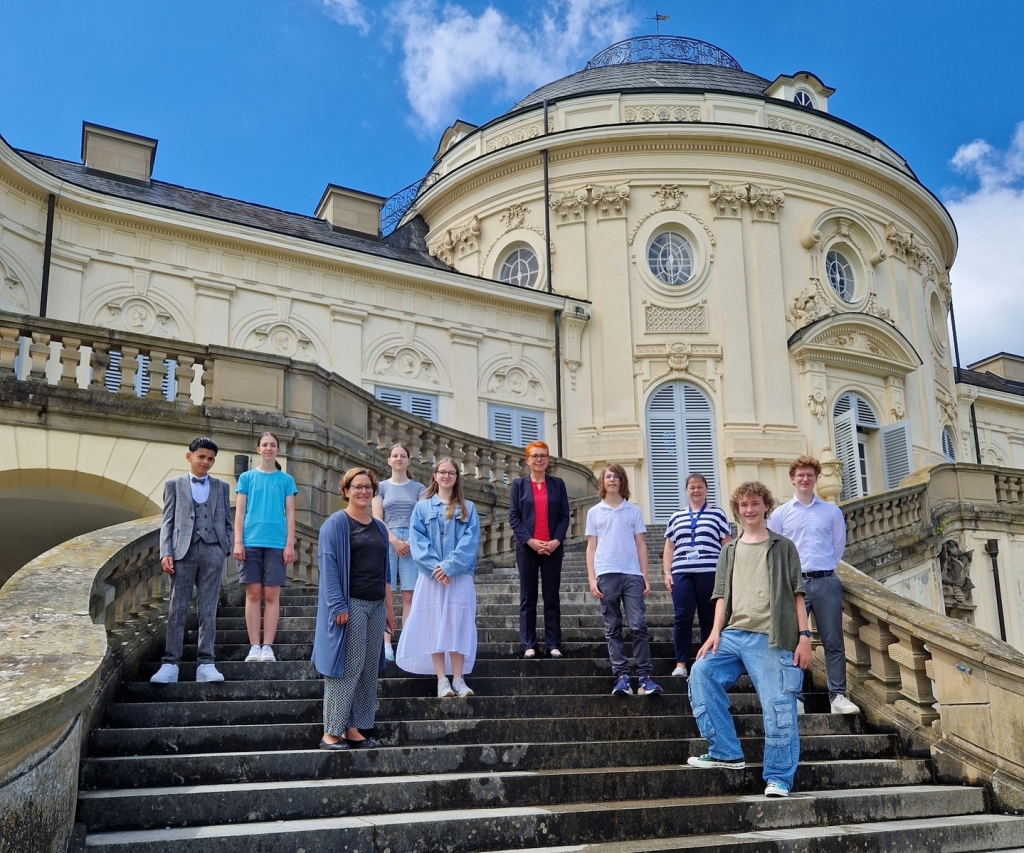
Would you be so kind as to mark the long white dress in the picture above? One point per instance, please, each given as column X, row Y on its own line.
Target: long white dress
column 442, row 619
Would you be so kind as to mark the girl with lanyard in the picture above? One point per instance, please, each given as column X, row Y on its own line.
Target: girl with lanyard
column 439, row 635
column 693, row 540
column 393, row 505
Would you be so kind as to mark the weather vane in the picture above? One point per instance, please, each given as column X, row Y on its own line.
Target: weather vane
column 658, row 18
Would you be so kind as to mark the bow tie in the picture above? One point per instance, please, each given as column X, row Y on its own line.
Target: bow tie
column 199, row 480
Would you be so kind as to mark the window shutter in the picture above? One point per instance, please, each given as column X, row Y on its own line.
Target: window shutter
column 499, row 427
column 423, row 405
column 700, row 456
column 948, row 446
column 530, row 428
column 897, row 453
column 846, row 452
column 666, row 490
column 389, row 396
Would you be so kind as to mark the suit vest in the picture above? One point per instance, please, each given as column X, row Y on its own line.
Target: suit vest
column 203, row 527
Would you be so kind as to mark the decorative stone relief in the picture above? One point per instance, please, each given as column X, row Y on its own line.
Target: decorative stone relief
column 662, row 113
column 406, row 362
column 690, row 318
column 519, row 134
column 904, row 245
column 872, row 307
column 516, row 380
column 668, row 196
column 281, row 339
column 571, row 204
column 942, row 284
column 766, row 203
column 727, row 200
column 462, row 240
column 573, row 323
column 942, row 375
column 140, row 314
column 677, row 360
column 611, row 200
column 855, row 341
column 894, row 391
column 13, row 295
column 777, row 123
column 950, row 412
column 811, row 305
column 955, row 565
column 816, row 403
column 514, row 216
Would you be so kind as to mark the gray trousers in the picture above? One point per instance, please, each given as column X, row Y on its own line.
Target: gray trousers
column 201, row 567
column 350, row 702
column 625, row 592
column 824, row 596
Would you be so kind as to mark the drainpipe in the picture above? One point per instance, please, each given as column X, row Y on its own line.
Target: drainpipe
column 974, row 427
column 44, row 291
column 992, row 549
column 550, row 288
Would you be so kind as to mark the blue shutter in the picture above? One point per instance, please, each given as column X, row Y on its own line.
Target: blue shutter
column 846, row 452
column 897, row 453
column 514, row 426
column 421, row 405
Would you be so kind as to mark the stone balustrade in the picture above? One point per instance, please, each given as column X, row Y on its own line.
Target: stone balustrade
column 883, row 514
column 948, row 686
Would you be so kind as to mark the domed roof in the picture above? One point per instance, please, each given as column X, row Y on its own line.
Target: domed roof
column 653, row 62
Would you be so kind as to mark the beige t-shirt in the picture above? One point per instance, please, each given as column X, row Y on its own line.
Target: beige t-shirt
column 751, row 603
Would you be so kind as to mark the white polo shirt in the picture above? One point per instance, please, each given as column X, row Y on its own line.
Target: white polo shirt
column 615, row 528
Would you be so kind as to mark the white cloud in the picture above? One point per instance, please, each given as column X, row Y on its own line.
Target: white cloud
column 349, row 13
column 450, row 53
column 988, row 275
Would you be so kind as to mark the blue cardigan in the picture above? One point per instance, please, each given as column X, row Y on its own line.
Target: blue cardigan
column 332, row 555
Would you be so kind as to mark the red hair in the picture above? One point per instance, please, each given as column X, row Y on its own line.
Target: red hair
column 535, row 445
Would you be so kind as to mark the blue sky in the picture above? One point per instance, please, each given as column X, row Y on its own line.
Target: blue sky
column 270, row 100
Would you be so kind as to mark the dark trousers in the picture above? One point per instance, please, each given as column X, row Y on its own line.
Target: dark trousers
column 824, row 598
column 691, row 593
column 625, row 592
column 202, row 567
column 549, row 566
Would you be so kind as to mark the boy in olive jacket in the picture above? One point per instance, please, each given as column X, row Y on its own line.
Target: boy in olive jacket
column 760, row 628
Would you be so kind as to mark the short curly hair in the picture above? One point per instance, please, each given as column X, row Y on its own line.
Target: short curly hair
column 805, row 462
column 751, row 490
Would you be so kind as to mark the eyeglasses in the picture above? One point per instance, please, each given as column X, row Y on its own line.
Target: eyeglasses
column 612, row 477
column 446, row 473
column 538, row 456
column 366, row 488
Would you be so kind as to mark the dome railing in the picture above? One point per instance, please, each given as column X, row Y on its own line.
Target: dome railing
column 663, row 49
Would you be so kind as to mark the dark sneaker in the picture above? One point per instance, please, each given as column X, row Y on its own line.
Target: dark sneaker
column 646, row 687
column 622, row 687
column 705, row 761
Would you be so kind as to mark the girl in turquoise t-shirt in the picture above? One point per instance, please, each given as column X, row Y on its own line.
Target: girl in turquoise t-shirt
column 264, row 543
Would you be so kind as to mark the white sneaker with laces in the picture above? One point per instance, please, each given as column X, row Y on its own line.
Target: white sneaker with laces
column 774, row 789
column 389, row 652
column 208, row 672
column 800, row 711
column 680, row 671
column 461, row 688
column 444, row 689
column 167, row 674
column 255, row 653
column 267, row 654
column 842, row 705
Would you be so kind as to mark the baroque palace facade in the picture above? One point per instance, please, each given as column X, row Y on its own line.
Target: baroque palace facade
column 662, row 260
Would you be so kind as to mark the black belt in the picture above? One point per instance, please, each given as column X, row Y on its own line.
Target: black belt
column 819, row 574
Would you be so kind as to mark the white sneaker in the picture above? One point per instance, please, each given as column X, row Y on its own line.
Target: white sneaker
column 267, row 655
column 800, row 708
column 389, row 652
column 461, row 688
column 208, row 672
column 167, row 674
column 444, row 689
column 774, row 789
column 842, row 705
column 680, row 671
column 255, row 653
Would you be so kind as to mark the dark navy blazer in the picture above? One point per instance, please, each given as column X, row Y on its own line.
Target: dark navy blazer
column 521, row 509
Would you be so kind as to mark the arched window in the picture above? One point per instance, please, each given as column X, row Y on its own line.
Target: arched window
column 803, row 99
column 840, row 275
column 680, row 441
column 670, row 258
column 948, row 446
column 520, row 267
column 869, row 452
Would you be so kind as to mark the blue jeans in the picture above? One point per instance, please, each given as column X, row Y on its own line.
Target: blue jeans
column 691, row 593
column 625, row 592
column 776, row 681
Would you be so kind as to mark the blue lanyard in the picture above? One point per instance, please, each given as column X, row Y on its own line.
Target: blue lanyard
column 694, row 522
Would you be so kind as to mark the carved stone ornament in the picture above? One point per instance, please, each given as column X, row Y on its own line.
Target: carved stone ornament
column 458, row 241
column 805, row 129
column 811, row 305
column 872, row 307
column 141, row 315
column 571, row 204
column 406, row 362
column 766, row 203
column 668, row 196
column 904, row 245
column 611, row 200
column 855, row 341
column 661, row 113
column 690, row 318
column 13, row 295
column 282, row 339
column 956, row 578
column 816, row 403
column 514, row 216
column 727, row 200
column 949, row 410
column 573, row 323
column 515, row 380
column 679, row 361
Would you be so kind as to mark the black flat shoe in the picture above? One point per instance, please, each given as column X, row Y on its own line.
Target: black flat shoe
column 365, row 743
column 341, row 744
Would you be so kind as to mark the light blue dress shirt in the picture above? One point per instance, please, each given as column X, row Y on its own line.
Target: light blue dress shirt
column 818, row 529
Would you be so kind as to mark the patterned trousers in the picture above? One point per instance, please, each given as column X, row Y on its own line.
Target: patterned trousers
column 201, row 567
column 350, row 702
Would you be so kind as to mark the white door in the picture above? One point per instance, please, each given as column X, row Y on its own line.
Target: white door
column 680, row 441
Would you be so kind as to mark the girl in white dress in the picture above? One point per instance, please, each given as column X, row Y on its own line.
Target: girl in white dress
column 440, row 631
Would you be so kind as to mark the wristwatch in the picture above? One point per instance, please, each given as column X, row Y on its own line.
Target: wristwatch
column 805, row 634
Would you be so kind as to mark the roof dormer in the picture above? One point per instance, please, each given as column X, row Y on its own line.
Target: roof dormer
column 117, row 152
column 803, row 89
column 452, row 135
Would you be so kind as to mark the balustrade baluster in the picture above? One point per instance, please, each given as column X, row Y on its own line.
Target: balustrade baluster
column 455, row 452
column 206, row 380
column 157, row 372
column 911, row 657
column 885, row 673
column 129, row 367
column 70, row 358
column 100, row 363
column 39, row 354
column 10, row 345
column 183, row 375
column 374, row 425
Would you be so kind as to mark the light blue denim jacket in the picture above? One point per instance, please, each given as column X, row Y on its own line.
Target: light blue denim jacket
column 437, row 541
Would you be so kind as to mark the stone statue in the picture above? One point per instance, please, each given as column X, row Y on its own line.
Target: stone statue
column 956, row 569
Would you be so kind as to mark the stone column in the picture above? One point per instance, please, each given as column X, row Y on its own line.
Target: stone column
column 465, row 360
column 213, row 311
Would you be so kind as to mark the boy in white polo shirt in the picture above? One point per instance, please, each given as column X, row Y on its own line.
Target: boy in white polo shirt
column 617, row 570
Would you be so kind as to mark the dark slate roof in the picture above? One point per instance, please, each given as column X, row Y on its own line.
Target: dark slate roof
column 990, row 380
column 408, row 247
column 648, row 75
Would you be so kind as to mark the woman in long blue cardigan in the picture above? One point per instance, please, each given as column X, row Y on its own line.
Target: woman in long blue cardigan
column 353, row 608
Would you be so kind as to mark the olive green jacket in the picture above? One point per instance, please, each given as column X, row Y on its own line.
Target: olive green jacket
column 784, row 582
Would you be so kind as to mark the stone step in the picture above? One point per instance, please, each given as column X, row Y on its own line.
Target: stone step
column 474, row 829
column 141, row 771
column 156, row 740
column 249, row 802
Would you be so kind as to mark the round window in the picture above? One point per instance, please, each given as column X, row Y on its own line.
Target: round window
column 840, row 274
column 803, row 99
column 670, row 257
column 520, row 268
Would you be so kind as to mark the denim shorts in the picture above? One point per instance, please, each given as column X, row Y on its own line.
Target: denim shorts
column 403, row 569
column 262, row 565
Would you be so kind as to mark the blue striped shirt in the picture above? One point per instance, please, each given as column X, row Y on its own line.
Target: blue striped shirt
column 697, row 537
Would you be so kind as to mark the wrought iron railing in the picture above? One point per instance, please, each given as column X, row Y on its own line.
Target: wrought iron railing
column 663, row 49
column 396, row 206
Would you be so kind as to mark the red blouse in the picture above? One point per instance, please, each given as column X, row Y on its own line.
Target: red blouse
column 540, row 511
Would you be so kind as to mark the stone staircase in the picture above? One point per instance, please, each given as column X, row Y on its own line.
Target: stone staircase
column 543, row 757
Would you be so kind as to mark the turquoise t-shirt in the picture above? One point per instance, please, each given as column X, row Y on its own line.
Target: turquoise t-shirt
column 265, row 524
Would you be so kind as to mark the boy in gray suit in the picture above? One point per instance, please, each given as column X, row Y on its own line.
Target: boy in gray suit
column 195, row 537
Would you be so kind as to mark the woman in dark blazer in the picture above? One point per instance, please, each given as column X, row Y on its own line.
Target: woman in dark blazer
column 539, row 537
